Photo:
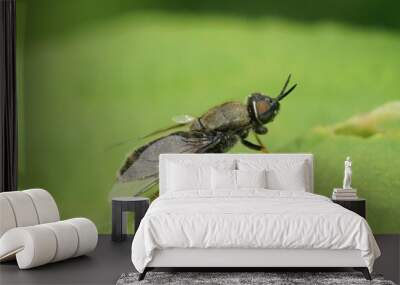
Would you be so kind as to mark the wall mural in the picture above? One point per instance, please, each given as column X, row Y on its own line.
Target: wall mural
column 114, row 71
column 217, row 131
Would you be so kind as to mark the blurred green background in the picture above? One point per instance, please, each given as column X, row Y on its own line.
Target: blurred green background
column 92, row 73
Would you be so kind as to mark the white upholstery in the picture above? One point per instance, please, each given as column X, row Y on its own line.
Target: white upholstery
column 23, row 208
column 31, row 232
column 220, row 160
column 46, row 207
column 251, row 179
column 7, row 220
column 184, row 174
column 66, row 236
column 87, row 235
column 223, row 179
column 27, row 208
column 32, row 246
column 256, row 257
column 282, row 174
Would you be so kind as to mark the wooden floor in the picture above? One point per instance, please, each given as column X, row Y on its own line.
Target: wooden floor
column 103, row 266
column 110, row 260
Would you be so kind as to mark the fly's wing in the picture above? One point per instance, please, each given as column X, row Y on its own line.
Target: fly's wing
column 134, row 188
column 181, row 121
column 142, row 165
column 143, row 162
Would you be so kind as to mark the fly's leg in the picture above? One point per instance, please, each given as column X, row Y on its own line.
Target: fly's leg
column 252, row 146
column 260, row 147
column 263, row 147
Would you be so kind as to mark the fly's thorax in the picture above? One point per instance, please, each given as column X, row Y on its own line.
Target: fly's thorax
column 226, row 140
column 228, row 116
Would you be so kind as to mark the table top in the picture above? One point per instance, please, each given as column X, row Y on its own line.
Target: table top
column 349, row 200
column 130, row 199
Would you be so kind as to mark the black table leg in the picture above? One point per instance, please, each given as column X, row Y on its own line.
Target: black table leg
column 140, row 211
column 118, row 222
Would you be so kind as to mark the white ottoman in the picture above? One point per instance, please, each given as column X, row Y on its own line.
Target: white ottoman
column 31, row 233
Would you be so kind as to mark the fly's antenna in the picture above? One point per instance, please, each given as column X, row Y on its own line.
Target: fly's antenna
column 280, row 97
column 285, row 86
column 284, row 93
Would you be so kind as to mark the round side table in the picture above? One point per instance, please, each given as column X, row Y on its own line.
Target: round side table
column 121, row 205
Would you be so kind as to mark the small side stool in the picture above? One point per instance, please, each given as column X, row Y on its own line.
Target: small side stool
column 121, row 205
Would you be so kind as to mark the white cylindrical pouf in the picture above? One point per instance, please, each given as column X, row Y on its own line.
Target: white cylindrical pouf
column 67, row 240
column 87, row 234
column 23, row 208
column 45, row 205
column 7, row 218
column 31, row 232
column 37, row 245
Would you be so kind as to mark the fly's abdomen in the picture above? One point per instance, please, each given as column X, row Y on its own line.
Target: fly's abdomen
column 228, row 116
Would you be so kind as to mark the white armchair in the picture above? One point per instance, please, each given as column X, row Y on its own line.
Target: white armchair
column 31, row 230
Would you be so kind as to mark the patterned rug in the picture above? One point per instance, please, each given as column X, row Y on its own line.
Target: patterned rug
column 243, row 278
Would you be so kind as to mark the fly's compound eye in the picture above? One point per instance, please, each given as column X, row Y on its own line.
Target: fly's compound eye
column 262, row 107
